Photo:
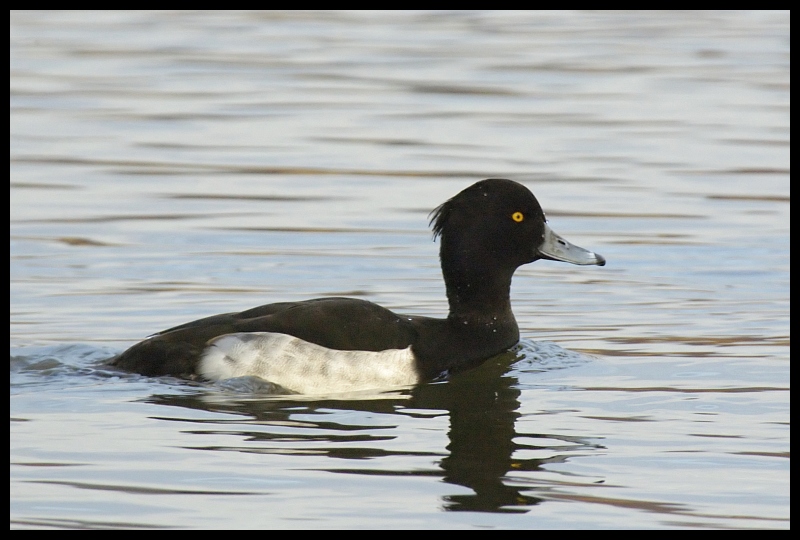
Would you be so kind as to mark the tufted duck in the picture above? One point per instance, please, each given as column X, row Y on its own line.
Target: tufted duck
column 344, row 344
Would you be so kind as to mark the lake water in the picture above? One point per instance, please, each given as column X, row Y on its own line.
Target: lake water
column 171, row 165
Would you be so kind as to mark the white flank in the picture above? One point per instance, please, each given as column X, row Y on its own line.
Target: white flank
column 305, row 367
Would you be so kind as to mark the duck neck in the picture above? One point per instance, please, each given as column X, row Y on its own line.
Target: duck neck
column 479, row 297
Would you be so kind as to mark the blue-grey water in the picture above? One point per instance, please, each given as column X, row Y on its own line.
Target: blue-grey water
column 166, row 166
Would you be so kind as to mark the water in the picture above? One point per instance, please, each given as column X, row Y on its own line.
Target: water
column 169, row 166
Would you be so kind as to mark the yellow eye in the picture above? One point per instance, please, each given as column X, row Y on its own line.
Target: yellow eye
column 517, row 216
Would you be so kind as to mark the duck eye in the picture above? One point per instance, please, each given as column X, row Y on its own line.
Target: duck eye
column 518, row 217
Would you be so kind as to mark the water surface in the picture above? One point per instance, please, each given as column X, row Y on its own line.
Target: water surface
column 168, row 166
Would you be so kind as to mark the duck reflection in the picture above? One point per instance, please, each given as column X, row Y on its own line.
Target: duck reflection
column 482, row 406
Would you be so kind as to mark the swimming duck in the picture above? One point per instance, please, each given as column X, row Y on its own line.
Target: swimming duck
column 337, row 344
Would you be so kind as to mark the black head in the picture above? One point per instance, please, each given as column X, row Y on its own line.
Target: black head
column 490, row 229
column 494, row 222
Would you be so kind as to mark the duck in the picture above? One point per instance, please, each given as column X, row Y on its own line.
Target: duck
column 338, row 344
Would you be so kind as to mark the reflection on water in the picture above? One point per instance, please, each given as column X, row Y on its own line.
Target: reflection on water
column 481, row 406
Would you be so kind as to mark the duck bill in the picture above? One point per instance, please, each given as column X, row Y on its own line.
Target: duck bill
column 556, row 248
